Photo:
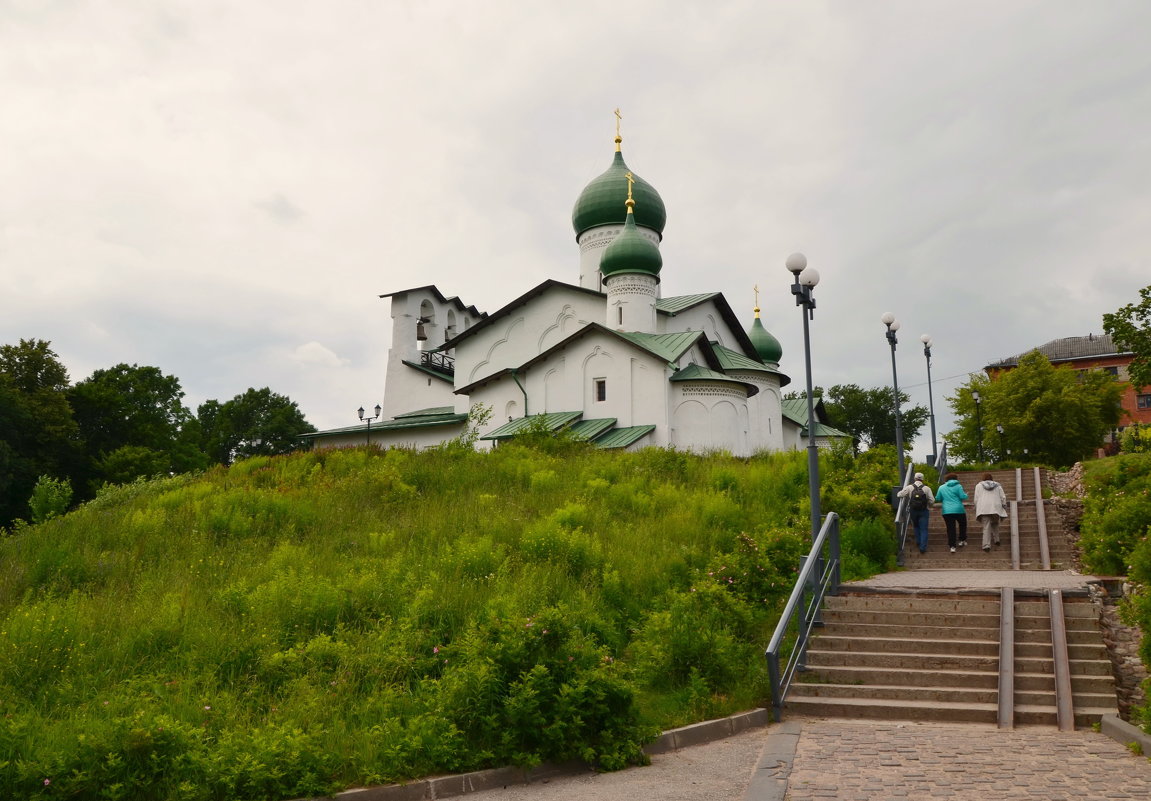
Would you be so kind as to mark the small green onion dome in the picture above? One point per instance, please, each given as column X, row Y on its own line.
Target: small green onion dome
column 631, row 252
column 766, row 345
column 601, row 202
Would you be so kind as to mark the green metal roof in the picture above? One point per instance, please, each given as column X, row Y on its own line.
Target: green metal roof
column 550, row 422
column 766, row 345
column 431, row 412
column 602, row 201
column 668, row 347
column 424, row 418
column 693, row 372
column 734, row 360
column 585, row 430
column 623, row 437
column 682, row 302
column 631, row 252
column 425, row 369
column 795, row 409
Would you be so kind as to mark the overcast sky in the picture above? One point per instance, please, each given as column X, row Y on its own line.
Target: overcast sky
column 223, row 189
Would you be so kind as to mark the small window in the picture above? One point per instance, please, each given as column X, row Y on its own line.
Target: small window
column 620, row 316
column 599, row 389
column 1112, row 371
column 1143, row 401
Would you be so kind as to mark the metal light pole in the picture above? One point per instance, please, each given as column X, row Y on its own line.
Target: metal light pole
column 805, row 280
column 978, row 423
column 926, row 340
column 368, row 420
column 888, row 319
column 1002, row 451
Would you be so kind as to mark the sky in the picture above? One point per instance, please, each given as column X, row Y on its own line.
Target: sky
column 223, row 190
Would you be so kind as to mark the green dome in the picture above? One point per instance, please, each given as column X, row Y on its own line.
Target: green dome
column 631, row 252
column 766, row 345
column 601, row 202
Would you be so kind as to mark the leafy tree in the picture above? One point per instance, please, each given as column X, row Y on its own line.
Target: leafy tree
column 1130, row 329
column 868, row 414
column 130, row 406
column 258, row 422
column 1058, row 415
column 50, row 498
column 38, row 434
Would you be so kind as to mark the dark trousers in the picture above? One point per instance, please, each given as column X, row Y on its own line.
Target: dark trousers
column 950, row 520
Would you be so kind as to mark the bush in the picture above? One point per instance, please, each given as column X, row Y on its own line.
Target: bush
column 50, row 497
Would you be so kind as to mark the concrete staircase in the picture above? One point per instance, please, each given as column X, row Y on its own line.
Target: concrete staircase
column 934, row 655
column 1019, row 485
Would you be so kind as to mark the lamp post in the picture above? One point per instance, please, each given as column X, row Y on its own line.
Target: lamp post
column 926, row 340
column 978, row 423
column 368, row 420
column 805, row 279
column 888, row 319
column 999, row 430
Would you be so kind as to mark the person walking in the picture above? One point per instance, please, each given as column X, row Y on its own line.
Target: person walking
column 951, row 496
column 990, row 508
column 920, row 499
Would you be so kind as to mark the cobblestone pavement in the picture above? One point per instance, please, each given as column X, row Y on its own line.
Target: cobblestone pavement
column 855, row 760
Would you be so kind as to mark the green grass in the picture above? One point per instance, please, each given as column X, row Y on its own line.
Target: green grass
column 297, row 625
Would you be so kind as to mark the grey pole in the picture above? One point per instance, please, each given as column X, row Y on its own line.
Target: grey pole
column 927, row 343
column 892, row 326
column 805, row 280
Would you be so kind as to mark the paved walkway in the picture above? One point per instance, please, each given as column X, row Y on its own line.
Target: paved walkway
column 861, row 760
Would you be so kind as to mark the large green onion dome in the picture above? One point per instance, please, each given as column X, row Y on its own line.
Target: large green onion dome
column 601, row 202
column 766, row 345
column 631, row 251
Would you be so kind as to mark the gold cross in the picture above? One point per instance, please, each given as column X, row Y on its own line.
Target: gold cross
column 630, row 181
column 756, row 290
column 618, row 117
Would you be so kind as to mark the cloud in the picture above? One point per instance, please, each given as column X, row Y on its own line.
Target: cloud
column 313, row 353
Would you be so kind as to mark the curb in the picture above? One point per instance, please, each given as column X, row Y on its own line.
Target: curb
column 1123, row 732
column 464, row 783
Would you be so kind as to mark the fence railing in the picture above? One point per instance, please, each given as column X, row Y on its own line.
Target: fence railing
column 902, row 519
column 438, row 361
column 818, row 577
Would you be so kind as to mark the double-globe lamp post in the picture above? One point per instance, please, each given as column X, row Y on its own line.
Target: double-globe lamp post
column 926, row 340
column 805, row 279
column 892, row 324
column 368, row 420
column 978, row 423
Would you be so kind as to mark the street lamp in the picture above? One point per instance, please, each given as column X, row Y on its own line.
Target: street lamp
column 926, row 340
column 888, row 319
column 368, row 420
column 978, row 423
column 999, row 429
column 805, row 280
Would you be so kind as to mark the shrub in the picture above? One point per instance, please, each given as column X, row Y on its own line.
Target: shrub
column 50, row 497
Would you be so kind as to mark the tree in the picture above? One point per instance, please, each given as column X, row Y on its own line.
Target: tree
column 869, row 414
column 258, row 422
column 38, row 435
column 1130, row 329
column 135, row 407
column 1058, row 415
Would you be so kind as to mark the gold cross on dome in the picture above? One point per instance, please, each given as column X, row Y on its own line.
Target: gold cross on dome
column 618, row 117
column 630, row 181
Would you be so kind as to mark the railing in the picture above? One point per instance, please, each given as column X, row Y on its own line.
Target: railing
column 438, row 361
column 902, row 519
column 818, row 577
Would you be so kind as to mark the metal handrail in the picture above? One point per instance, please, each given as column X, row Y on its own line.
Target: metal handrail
column 818, row 576
column 902, row 519
column 438, row 361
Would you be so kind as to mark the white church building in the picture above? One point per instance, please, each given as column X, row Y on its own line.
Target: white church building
column 607, row 358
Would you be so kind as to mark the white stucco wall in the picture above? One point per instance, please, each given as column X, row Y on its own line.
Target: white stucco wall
column 765, row 416
column 703, row 317
column 418, row 438
column 709, row 416
column 526, row 332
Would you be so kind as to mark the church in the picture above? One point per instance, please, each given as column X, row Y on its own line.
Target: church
column 608, row 358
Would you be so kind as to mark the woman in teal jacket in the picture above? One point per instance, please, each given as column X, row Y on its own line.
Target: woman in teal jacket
column 952, row 495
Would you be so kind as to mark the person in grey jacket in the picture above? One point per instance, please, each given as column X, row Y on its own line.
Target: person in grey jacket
column 990, row 508
column 919, row 502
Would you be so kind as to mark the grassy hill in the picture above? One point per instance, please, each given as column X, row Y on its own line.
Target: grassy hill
column 295, row 625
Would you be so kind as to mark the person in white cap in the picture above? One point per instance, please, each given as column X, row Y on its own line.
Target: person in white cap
column 920, row 499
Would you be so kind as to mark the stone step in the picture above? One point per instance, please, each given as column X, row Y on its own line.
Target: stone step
column 855, row 675
column 1045, row 682
column 1078, row 667
column 1044, row 715
column 923, row 630
column 1075, row 652
column 886, row 709
column 820, row 658
column 945, row 693
column 917, row 604
column 906, row 646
